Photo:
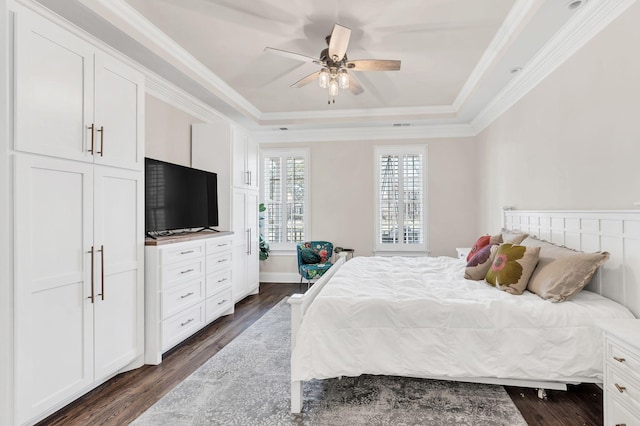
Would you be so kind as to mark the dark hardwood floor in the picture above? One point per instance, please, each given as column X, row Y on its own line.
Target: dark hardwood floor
column 126, row 396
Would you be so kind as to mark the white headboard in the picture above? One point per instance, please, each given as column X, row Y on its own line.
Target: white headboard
column 615, row 231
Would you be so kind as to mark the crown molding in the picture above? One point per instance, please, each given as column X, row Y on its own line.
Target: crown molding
column 517, row 15
column 128, row 19
column 588, row 22
column 364, row 133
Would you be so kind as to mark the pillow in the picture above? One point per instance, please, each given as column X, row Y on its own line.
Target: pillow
column 512, row 267
column 513, row 237
column 309, row 256
column 561, row 272
column 480, row 262
column 483, row 241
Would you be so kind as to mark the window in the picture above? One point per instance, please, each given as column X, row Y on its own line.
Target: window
column 401, row 183
column 285, row 194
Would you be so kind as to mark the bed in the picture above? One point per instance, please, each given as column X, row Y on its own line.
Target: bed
column 419, row 317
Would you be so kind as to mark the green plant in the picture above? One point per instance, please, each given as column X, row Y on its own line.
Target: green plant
column 263, row 244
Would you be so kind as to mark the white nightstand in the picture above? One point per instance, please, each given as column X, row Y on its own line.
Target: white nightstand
column 621, row 372
column 463, row 252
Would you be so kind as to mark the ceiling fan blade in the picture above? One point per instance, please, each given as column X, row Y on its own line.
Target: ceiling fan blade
column 306, row 80
column 290, row 55
column 339, row 42
column 354, row 85
column 373, row 65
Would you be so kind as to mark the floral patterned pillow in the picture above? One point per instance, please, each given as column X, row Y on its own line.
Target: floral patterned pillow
column 485, row 240
column 480, row 263
column 309, row 256
column 512, row 267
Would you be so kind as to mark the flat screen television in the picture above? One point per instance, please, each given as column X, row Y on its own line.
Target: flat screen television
column 178, row 197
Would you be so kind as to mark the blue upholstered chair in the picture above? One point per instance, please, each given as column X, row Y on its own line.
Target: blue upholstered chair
column 314, row 259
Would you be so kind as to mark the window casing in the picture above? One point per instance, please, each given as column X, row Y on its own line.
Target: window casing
column 285, row 194
column 401, row 199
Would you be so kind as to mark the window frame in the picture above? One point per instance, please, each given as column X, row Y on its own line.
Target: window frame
column 287, row 248
column 399, row 249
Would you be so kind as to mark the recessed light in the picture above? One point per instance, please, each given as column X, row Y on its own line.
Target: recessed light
column 574, row 4
column 515, row 70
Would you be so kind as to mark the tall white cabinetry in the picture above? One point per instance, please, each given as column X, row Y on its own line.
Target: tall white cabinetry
column 77, row 150
column 227, row 150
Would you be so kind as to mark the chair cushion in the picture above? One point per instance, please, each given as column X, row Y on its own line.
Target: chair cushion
column 309, row 256
column 316, row 270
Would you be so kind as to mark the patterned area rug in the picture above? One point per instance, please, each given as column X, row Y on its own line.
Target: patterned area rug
column 247, row 383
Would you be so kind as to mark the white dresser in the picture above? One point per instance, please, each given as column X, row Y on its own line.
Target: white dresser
column 188, row 284
column 621, row 372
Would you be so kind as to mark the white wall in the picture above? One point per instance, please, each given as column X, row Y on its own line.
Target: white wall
column 168, row 132
column 573, row 142
column 342, row 196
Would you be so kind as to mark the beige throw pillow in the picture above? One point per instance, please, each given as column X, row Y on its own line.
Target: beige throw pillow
column 513, row 237
column 562, row 272
column 512, row 266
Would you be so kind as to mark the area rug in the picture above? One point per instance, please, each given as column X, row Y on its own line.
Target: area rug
column 247, row 383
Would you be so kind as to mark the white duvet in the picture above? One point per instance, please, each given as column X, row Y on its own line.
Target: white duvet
column 420, row 317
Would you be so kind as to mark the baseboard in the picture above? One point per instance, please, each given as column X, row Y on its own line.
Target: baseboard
column 279, row 277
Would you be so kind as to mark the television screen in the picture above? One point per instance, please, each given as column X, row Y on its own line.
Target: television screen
column 178, row 197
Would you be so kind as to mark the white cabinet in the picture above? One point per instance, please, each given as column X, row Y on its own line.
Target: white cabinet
column 245, row 160
column 78, row 261
column 245, row 246
column 621, row 372
column 77, row 148
column 227, row 150
column 188, row 283
column 73, row 101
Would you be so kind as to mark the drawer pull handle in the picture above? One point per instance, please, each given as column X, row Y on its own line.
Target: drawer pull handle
column 222, row 260
column 182, row 324
column 620, row 388
column 222, row 245
column 619, row 359
column 187, row 271
column 621, row 424
column 222, row 301
column 186, row 295
column 222, row 280
column 186, row 252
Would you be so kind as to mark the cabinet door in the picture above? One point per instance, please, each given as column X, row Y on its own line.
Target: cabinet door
column 119, row 107
column 253, row 257
column 119, row 287
column 252, row 163
column 54, row 90
column 240, row 244
column 239, row 154
column 53, row 312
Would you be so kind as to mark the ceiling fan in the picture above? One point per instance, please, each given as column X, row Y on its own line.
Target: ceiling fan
column 334, row 73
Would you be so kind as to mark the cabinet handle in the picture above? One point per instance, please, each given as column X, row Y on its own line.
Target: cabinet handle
column 221, row 302
column 250, row 178
column 101, row 130
column 222, row 260
column 222, row 280
column 621, row 424
column 186, row 252
column 92, row 297
column 92, row 128
column 187, row 271
column 249, row 241
column 186, row 295
column 101, row 272
column 182, row 324
column 620, row 388
column 619, row 359
column 223, row 245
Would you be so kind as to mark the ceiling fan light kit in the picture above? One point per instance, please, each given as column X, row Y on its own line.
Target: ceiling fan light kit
column 333, row 75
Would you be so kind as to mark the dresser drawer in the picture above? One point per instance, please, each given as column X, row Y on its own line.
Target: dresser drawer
column 179, row 297
column 617, row 414
column 623, row 387
column 181, row 252
column 179, row 272
column 216, row 282
column 216, row 245
column 182, row 325
column 219, row 261
column 218, row 304
column 623, row 358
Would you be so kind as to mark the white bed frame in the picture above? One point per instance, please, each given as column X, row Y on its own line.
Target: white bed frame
column 615, row 231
